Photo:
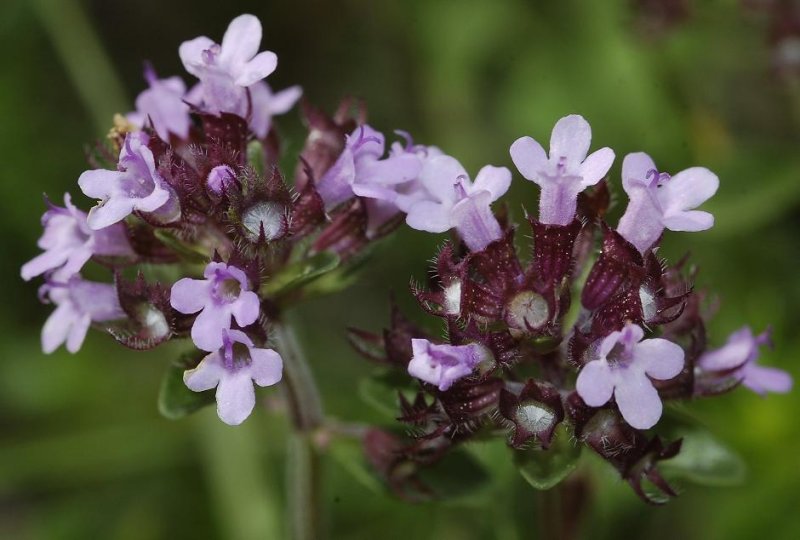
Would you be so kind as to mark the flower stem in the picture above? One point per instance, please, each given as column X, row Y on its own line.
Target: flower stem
column 303, row 465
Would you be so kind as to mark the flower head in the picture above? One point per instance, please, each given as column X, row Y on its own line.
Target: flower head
column 738, row 359
column 566, row 172
column 78, row 304
column 622, row 366
column 224, row 293
column 443, row 365
column 226, row 70
column 660, row 201
column 136, row 186
column 163, row 105
column 233, row 369
column 68, row 242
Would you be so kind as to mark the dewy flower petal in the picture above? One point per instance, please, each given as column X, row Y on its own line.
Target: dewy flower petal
column 658, row 201
column 738, row 358
column 222, row 295
column 136, row 186
column 622, row 364
column 233, row 369
column 79, row 303
column 567, row 171
column 443, row 365
column 68, row 243
column 163, row 105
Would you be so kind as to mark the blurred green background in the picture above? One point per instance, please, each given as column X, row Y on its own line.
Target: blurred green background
column 83, row 450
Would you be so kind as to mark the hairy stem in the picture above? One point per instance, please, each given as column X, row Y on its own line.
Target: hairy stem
column 303, row 459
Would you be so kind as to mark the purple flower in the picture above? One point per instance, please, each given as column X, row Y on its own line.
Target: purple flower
column 567, row 171
column 623, row 365
column 232, row 370
column 267, row 104
column 226, row 70
column 163, row 105
column 360, row 170
column 136, row 186
column 79, row 303
column 659, row 201
column 442, row 365
column 68, row 242
column 450, row 199
column 224, row 293
column 738, row 358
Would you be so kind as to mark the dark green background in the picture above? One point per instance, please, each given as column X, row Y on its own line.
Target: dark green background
column 83, row 451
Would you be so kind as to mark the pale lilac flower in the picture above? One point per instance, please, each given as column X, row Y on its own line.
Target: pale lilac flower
column 360, row 169
column 226, row 70
column 163, row 105
column 450, row 200
column 136, row 186
column 68, row 243
column 443, row 365
column 233, row 369
column 267, row 104
column 738, row 358
column 566, row 172
column 622, row 366
column 224, row 293
column 659, row 201
column 78, row 304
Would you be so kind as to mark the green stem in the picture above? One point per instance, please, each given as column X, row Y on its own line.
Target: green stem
column 303, row 465
column 550, row 514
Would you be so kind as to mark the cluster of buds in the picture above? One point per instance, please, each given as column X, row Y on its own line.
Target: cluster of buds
column 594, row 341
column 189, row 183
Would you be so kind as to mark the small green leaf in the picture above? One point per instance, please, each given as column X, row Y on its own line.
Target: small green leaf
column 704, row 460
column 175, row 400
column 255, row 156
column 349, row 454
column 301, row 273
column 544, row 469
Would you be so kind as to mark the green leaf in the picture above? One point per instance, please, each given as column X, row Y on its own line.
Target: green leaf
column 301, row 273
column 255, row 156
column 349, row 454
column 544, row 469
column 175, row 400
column 380, row 391
column 704, row 460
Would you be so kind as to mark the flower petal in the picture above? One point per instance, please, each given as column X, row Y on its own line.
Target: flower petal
column 439, row 175
column 236, row 398
column 241, row 40
column 77, row 332
column 762, row 379
column 660, row 358
column 208, row 326
column 570, row 139
column 99, row 183
column 429, row 216
column 596, row 166
column 595, row 383
column 495, row 180
column 190, row 295
column 206, row 375
column 688, row 189
column 638, row 401
column 281, row 102
column 256, row 69
column 109, row 212
column 43, row 262
column 57, row 327
column 266, row 368
column 529, row 157
column 692, row 221
column 191, row 53
column 635, row 168
column 246, row 308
